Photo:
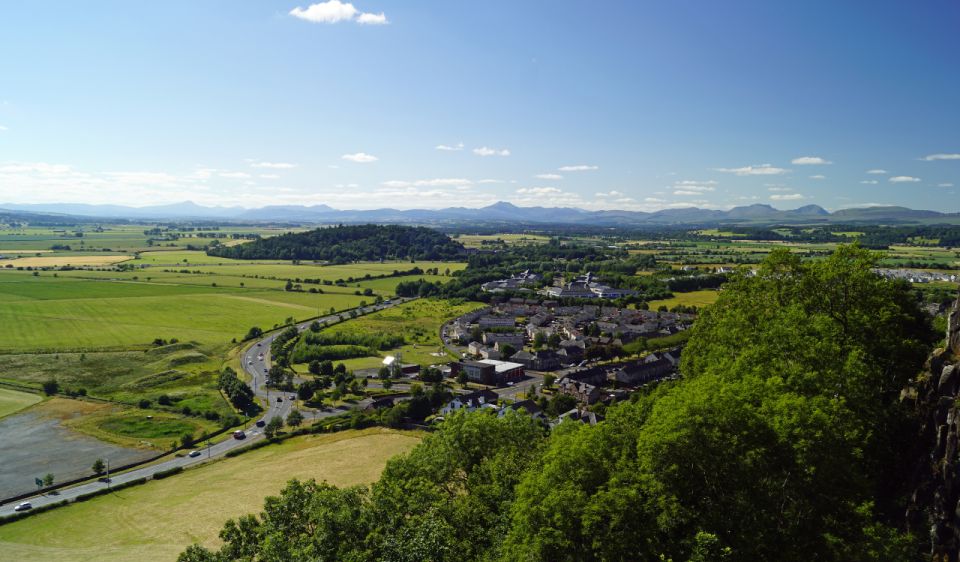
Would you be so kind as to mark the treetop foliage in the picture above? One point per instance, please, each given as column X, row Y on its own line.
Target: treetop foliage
column 346, row 244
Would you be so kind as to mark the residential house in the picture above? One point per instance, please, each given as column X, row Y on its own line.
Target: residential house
column 471, row 402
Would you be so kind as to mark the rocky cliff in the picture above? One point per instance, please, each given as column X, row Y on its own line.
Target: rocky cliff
column 935, row 504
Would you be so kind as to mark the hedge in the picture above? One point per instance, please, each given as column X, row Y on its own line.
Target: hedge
column 160, row 475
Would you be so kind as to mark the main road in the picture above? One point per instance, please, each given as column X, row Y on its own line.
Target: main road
column 256, row 361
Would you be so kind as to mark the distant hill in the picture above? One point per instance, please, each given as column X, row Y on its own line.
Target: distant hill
column 507, row 214
column 344, row 244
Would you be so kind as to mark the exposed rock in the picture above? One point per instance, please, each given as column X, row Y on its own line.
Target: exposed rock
column 935, row 503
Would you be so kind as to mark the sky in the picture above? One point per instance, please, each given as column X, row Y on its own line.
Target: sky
column 636, row 105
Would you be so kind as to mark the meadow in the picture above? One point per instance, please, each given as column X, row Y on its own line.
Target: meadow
column 418, row 321
column 699, row 299
column 156, row 521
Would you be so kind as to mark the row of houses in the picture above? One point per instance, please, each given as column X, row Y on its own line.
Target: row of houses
column 587, row 385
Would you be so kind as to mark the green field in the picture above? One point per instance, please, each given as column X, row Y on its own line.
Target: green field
column 13, row 401
column 158, row 520
column 418, row 321
column 693, row 298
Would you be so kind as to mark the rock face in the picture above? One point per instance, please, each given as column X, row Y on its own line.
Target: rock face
column 935, row 504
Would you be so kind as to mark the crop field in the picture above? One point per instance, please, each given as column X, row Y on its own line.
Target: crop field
column 388, row 285
column 13, row 401
column 76, row 260
column 509, row 239
column 156, row 521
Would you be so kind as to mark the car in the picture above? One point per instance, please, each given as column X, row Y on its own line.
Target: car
column 258, row 344
column 291, row 397
column 261, row 423
column 279, row 398
column 239, row 434
column 23, row 506
column 510, row 383
column 265, row 370
column 250, row 362
column 194, row 454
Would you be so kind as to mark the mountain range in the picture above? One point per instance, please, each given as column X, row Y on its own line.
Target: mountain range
column 501, row 212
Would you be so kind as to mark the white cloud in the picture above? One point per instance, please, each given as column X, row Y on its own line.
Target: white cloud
column 779, row 188
column 787, row 197
column 818, row 177
column 870, row 182
column 274, row 165
column 234, row 175
column 810, row 161
column 941, row 156
column 944, row 185
column 360, row 158
column 654, row 200
column 612, row 193
column 693, row 187
column 269, row 176
column 436, row 182
column 877, row 171
column 904, row 179
column 332, row 11
column 756, row 170
column 372, row 19
column 578, row 168
column 492, row 181
column 449, row 148
column 538, row 190
column 2, row 128
column 549, row 176
column 487, row 151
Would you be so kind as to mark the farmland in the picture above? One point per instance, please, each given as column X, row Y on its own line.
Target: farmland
column 158, row 520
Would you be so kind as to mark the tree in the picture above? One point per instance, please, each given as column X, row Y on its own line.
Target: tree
column 98, row 467
column 48, row 479
column 507, row 350
column 553, row 341
column 186, row 440
column 387, row 384
column 51, row 386
column 314, row 367
column 539, row 339
column 462, row 378
column 253, row 333
column 273, row 426
column 294, row 418
column 548, row 380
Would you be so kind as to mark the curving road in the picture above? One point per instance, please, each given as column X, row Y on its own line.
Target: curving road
column 255, row 366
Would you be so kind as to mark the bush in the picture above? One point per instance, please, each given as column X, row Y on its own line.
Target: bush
column 167, row 473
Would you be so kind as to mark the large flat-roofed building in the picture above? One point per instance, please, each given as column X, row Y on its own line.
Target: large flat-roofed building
column 491, row 371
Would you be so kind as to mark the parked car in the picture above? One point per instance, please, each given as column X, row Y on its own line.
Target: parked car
column 194, row 454
column 23, row 506
column 239, row 434
column 291, row 397
column 279, row 398
column 261, row 423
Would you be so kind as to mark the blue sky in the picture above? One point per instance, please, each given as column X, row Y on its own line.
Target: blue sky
column 412, row 103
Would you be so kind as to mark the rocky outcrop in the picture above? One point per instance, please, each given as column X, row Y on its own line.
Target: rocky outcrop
column 935, row 504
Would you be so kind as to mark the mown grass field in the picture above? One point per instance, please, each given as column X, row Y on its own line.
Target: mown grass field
column 158, row 520
column 13, row 401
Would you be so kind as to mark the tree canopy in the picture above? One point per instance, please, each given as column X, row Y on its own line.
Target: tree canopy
column 345, row 244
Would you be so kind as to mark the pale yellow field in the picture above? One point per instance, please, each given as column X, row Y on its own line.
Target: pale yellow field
column 57, row 261
column 157, row 520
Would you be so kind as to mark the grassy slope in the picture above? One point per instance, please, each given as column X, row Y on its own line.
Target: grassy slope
column 693, row 298
column 158, row 520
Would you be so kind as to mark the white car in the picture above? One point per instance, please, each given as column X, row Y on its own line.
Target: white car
column 23, row 506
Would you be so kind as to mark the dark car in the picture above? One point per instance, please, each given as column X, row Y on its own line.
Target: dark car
column 261, row 423
column 194, row 454
column 279, row 399
column 239, row 434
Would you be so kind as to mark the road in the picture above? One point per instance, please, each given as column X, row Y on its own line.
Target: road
column 256, row 367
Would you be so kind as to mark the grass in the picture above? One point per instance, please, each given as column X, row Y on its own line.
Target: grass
column 693, row 298
column 158, row 520
column 13, row 401
column 418, row 321
column 123, row 425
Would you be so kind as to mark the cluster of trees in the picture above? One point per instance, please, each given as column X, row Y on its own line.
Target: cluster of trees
column 346, row 244
column 238, row 392
column 316, row 345
column 785, row 441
